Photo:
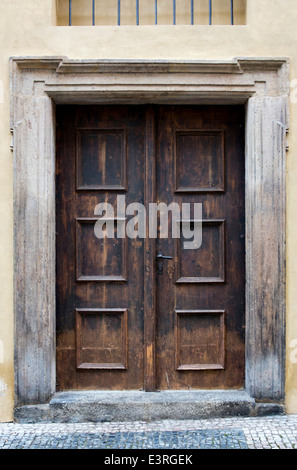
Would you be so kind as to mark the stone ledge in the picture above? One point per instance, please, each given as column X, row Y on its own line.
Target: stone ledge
column 100, row 406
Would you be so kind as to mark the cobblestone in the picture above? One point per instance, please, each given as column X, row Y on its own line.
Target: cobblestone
column 274, row 432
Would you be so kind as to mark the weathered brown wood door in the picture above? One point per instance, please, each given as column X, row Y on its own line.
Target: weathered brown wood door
column 200, row 294
column 99, row 281
column 125, row 318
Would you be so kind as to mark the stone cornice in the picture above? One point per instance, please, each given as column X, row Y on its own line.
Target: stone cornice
column 63, row 65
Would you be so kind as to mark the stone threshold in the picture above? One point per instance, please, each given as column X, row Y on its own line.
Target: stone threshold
column 102, row 406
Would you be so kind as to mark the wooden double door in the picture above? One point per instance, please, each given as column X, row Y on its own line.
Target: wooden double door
column 145, row 312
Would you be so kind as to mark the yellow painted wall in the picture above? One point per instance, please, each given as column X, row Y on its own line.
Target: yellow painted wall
column 27, row 28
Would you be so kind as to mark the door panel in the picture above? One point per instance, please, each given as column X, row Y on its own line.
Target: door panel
column 200, row 293
column 99, row 281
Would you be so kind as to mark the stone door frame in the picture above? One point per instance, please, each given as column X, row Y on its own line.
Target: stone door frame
column 38, row 84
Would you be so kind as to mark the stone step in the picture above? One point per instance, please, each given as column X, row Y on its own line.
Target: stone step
column 100, row 406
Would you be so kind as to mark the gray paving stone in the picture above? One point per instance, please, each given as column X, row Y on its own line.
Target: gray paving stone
column 272, row 432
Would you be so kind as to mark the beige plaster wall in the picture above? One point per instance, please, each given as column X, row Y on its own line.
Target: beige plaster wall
column 27, row 28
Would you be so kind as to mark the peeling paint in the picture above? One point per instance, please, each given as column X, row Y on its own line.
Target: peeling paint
column 1, row 352
column 3, row 387
column 293, row 353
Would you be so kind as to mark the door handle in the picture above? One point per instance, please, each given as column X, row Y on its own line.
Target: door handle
column 160, row 256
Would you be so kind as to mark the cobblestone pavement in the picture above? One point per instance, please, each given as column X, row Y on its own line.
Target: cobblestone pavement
column 275, row 432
